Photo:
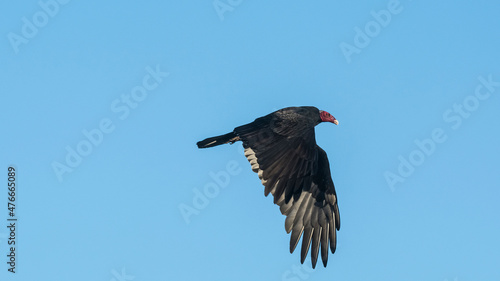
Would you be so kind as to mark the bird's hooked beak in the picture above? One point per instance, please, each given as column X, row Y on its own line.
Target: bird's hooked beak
column 327, row 117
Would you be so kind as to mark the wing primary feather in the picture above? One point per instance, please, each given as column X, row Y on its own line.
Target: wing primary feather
column 306, row 221
column 302, row 208
column 324, row 244
column 315, row 245
column 337, row 214
column 294, row 239
column 333, row 238
column 298, row 222
column 289, row 221
column 314, row 221
column 306, row 241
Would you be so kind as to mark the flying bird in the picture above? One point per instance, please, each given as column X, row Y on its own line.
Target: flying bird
column 281, row 148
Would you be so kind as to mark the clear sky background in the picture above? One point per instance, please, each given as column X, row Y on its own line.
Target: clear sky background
column 132, row 86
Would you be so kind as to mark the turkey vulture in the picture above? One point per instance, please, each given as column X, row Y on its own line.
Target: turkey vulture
column 282, row 149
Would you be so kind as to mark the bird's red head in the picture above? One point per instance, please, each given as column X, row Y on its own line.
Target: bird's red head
column 327, row 117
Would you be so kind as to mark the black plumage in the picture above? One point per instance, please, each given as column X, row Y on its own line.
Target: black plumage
column 282, row 149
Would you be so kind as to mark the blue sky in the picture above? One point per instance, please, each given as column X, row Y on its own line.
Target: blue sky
column 102, row 104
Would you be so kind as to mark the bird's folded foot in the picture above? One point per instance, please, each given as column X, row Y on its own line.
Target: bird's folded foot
column 233, row 140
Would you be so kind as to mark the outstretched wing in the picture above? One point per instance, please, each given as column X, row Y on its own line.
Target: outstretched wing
column 296, row 172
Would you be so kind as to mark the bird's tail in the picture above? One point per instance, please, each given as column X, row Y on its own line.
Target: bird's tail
column 218, row 140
